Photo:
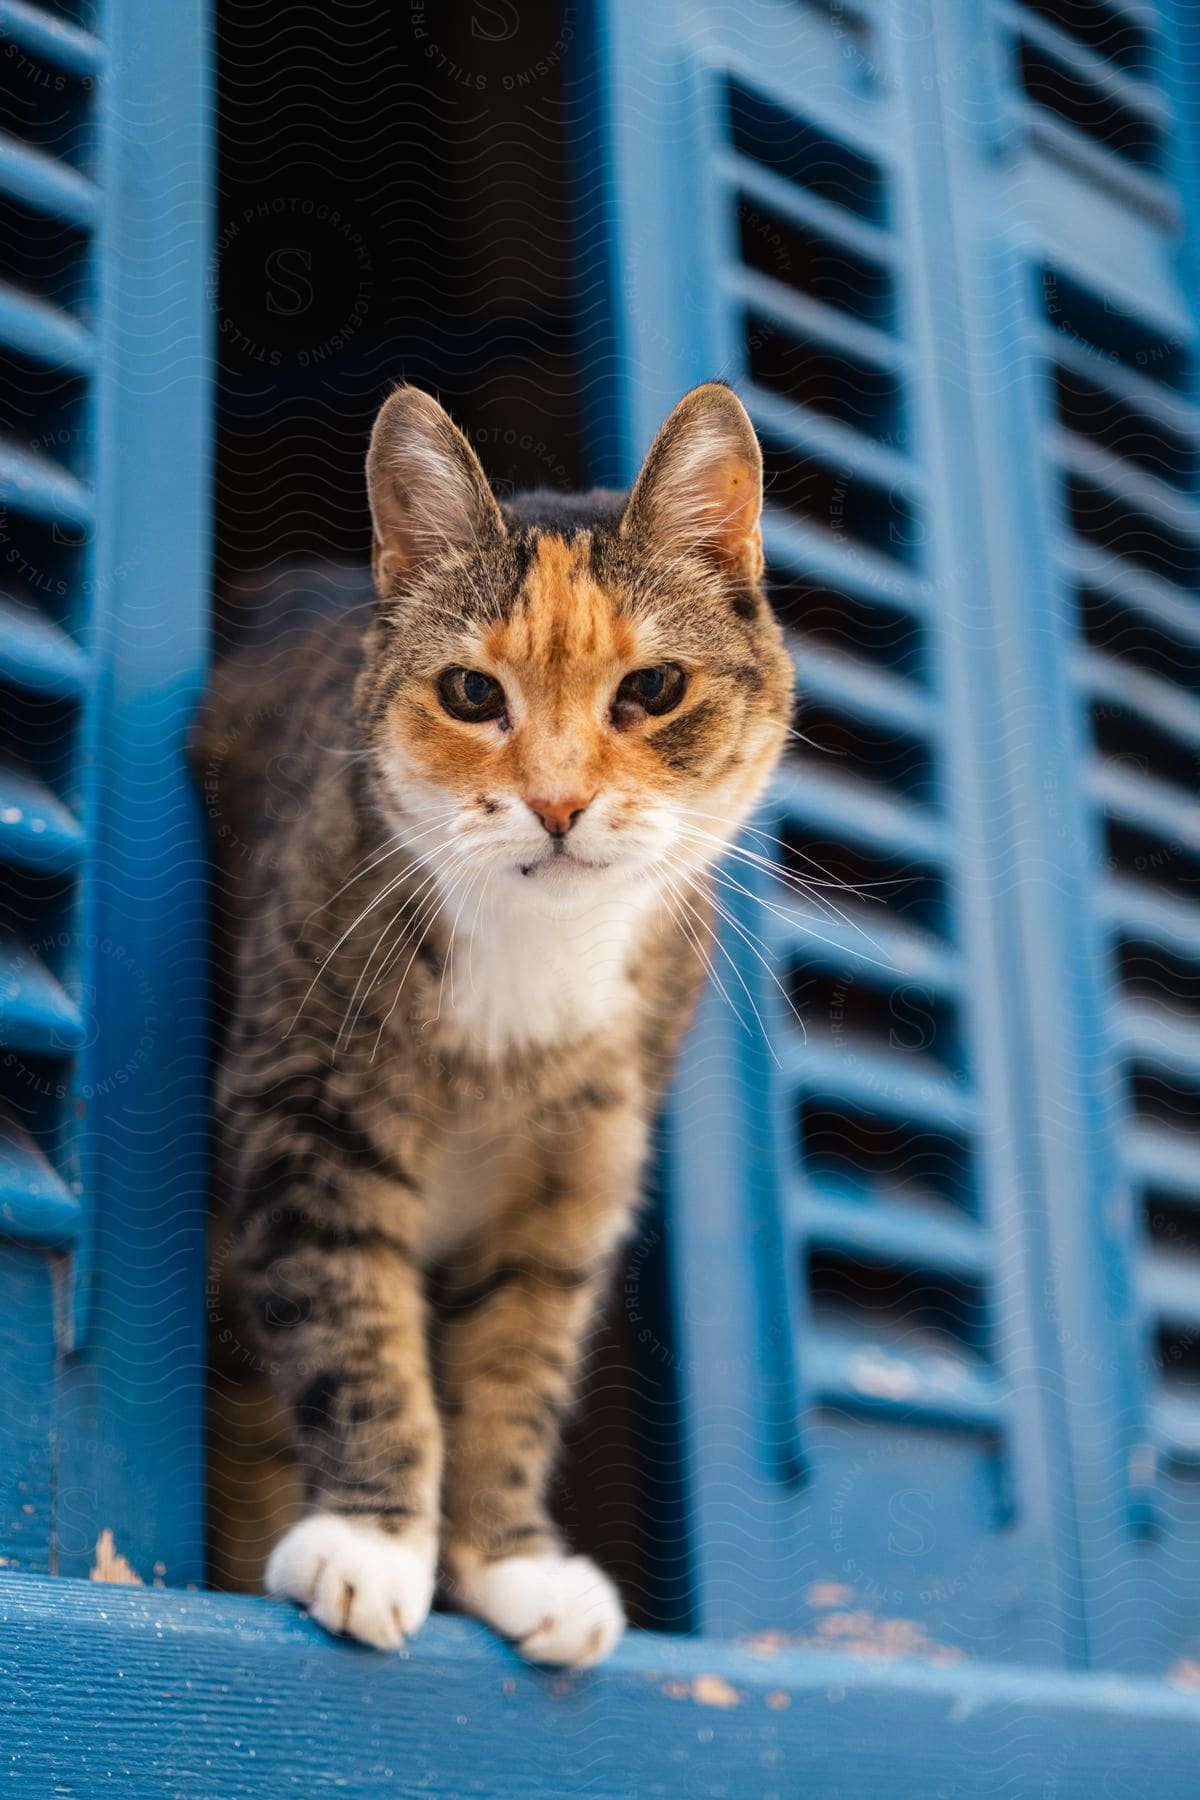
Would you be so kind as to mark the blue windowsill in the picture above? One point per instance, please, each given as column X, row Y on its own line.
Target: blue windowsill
column 156, row 1691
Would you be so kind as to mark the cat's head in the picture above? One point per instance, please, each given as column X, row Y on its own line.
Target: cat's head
column 576, row 709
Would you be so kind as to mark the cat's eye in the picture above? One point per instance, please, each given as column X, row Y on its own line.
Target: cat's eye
column 470, row 695
column 657, row 690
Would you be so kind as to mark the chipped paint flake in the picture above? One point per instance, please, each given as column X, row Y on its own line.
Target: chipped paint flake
column 829, row 1593
column 856, row 1633
column 882, row 1378
column 714, row 1690
column 768, row 1643
column 110, row 1565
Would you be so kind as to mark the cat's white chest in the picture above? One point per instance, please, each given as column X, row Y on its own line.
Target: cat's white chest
column 521, row 977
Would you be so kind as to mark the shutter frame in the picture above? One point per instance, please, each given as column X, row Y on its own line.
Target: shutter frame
column 759, row 1540
column 102, row 1193
column 1138, row 1582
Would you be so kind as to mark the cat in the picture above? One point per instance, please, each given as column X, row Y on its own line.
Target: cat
column 464, row 850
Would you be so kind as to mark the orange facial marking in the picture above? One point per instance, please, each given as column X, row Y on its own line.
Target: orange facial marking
column 564, row 649
column 564, row 631
column 560, row 655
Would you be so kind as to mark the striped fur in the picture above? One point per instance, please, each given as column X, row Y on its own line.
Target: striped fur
column 450, row 1031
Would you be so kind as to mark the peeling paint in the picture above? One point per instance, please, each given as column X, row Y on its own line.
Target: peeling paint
column 829, row 1593
column 714, row 1690
column 705, row 1690
column 769, row 1643
column 110, row 1565
column 846, row 1624
column 858, row 1633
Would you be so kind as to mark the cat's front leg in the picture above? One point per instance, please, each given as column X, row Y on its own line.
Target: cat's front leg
column 340, row 1310
column 510, row 1349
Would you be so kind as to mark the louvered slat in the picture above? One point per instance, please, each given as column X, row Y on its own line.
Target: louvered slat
column 1171, row 411
column 36, row 1206
column 873, row 947
column 815, row 319
column 882, row 1081
column 860, row 1375
column 839, row 805
column 1090, row 67
column 52, row 358
column 898, row 1234
column 1085, row 108
column 1159, row 701
column 846, row 683
column 1177, row 1429
column 1137, row 799
column 36, row 830
column 1166, row 1161
column 1147, row 595
column 1160, row 502
column 792, row 545
column 799, row 206
column 36, row 655
column 1171, row 1290
column 51, row 39
column 807, row 434
column 44, row 333
column 36, row 1016
column 1155, row 1038
column 34, row 485
column 46, row 185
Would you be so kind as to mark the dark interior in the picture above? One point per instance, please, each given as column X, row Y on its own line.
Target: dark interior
column 395, row 202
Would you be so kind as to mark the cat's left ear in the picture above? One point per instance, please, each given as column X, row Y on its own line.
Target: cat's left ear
column 700, row 489
column 427, row 488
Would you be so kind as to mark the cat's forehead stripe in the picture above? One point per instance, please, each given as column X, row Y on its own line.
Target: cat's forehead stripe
column 563, row 614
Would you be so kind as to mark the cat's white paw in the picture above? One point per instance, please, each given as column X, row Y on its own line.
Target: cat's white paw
column 556, row 1609
column 354, row 1579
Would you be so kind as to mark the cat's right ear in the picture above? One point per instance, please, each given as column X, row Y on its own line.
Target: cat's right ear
column 427, row 489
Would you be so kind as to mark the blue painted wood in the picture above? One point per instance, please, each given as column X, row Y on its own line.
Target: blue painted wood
column 132, row 1692
column 1074, row 280
column 35, row 655
column 31, row 1287
column 136, row 1391
column 103, row 641
column 44, row 333
column 46, row 185
column 1015, row 1474
column 50, row 38
column 860, row 1417
column 36, row 830
column 36, row 1206
column 34, row 485
column 36, row 1015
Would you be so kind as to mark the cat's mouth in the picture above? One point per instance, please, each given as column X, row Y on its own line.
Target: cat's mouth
column 559, row 858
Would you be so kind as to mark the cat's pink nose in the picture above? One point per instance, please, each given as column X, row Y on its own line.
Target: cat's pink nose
column 558, row 816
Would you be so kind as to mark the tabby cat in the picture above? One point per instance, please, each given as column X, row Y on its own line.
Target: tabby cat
column 471, row 924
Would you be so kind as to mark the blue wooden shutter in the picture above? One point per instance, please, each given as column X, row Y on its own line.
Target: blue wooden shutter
column 103, row 487
column 1073, row 172
column 856, row 1236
